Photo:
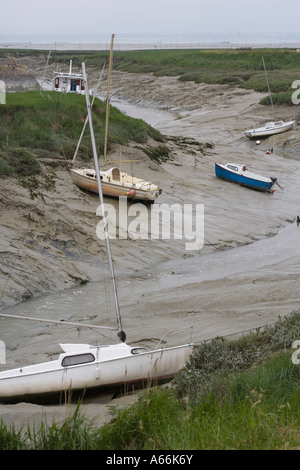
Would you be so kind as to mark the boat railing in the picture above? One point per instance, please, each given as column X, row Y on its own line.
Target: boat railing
column 173, row 332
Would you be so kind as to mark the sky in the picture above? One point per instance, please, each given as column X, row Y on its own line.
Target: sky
column 151, row 17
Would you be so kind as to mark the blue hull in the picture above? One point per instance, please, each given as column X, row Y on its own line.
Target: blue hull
column 252, row 183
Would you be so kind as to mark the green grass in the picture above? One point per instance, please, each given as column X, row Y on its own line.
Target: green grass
column 237, row 67
column 243, row 68
column 49, row 124
column 247, row 399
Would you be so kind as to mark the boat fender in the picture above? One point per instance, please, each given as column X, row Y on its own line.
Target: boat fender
column 268, row 152
column 244, row 168
column 131, row 193
column 122, row 336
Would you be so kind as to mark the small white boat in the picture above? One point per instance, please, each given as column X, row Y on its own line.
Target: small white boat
column 270, row 128
column 115, row 183
column 70, row 82
column 82, row 366
column 273, row 127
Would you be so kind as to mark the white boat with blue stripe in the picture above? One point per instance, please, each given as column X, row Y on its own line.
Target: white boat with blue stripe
column 237, row 173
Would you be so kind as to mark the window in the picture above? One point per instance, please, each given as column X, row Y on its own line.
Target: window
column 234, row 168
column 138, row 350
column 78, row 359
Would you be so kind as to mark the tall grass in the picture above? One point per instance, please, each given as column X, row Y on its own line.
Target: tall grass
column 234, row 67
column 52, row 122
column 242, row 68
column 214, row 360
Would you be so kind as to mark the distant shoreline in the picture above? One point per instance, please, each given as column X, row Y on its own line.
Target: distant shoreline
column 140, row 45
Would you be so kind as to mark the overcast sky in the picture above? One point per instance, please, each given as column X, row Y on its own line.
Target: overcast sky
column 155, row 17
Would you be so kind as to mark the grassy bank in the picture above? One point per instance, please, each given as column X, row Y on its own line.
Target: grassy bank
column 241, row 68
column 238, row 67
column 49, row 124
column 242, row 394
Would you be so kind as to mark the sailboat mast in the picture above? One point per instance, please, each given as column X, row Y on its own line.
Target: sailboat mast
column 268, row 86
column 87, row 118
column 121, row 333
column 107, row 98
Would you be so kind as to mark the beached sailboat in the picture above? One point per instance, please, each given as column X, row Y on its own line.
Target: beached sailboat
column 272, row 127
column 237, row 173
column 83, row 366
column 115, row 183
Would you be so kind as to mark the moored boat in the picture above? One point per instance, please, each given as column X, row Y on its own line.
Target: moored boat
column 115, row 183
column 68, row 82
column 273, row 127
column 85, row 367
column 237, row 173
column 270, row 128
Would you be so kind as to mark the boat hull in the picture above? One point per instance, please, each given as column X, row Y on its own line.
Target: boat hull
column 52, row 378
column 112, row 189
column 267, row 131
column 254, row 182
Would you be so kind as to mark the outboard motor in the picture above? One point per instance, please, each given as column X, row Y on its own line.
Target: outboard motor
column 274, row 179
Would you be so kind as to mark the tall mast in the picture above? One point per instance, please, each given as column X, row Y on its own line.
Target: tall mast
column 107, row 99
column 87, row 118
column 268, row 86
column 121, row 333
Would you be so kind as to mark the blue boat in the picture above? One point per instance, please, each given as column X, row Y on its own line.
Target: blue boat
column 238, row 173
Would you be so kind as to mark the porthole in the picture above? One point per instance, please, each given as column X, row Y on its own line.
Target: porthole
column 138, row 350
column 77, row 359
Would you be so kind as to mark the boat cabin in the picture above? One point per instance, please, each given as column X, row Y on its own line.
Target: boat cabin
column 68, row 82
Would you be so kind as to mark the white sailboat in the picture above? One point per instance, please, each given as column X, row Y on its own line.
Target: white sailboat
column 272, row 127
column 84, row 366
column 115, row 183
